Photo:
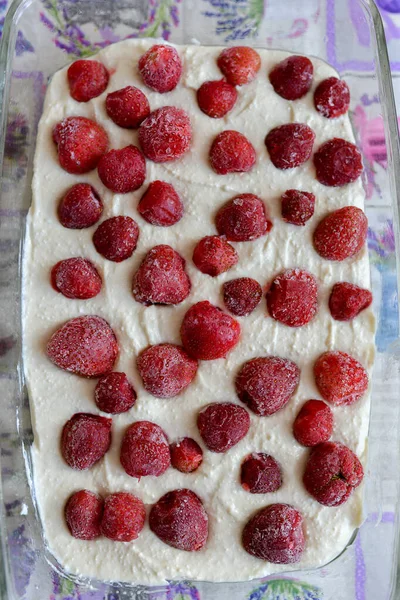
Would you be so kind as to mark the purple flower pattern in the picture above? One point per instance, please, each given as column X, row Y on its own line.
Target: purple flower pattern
column 67, row 23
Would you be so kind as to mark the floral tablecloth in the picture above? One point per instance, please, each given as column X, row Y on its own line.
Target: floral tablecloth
column 231, row 20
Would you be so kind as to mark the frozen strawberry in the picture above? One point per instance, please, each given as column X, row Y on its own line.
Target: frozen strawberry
column 76, row 278
column 83, row 513
column 297, row 206
column 145, row 450
column 222, row 425
column 85, row 439
column 186, row 455
column 292, row 298
column 80, row 144
column 216, row 98
column 122, row 171
column 180, row 520
column 166, row 134
column 275, row 533
column 260, row 473
column 313, row 424
column 160, row 204
column 242, row 296
column 87, row 79
column 161, row 278
column 239, row 64
column 340, row 378
column 116, row 238
column 81, row 207
column 341, row 234
column 292, row 77
column 348, row 300
column 332, row 98
column 161, row 68
column 114, row 394
column 207, row 332
column 127, row 107
column 337, row 163
column 332, row 472
column 213, row 255
column 231, row 152
column 243, row 219
column 166, row 370
column 123, row 517
column 85, row 346
column 267, row 384
column 290, row 145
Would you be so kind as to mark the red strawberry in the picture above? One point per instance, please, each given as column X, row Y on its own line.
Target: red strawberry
column 207, row 332
column 122, row 171
column 81, row 207
column 243, row 219
column 267, row 384
column 180, row 520
column 76, row 278
column 292, row 77
column 161, row 278
column 313, row 424
column 166, row 370
column 216, row 98
column 186, row 455
column 341, row 234
column 338, row 162
column 123, row 517
column 332, row 98
column 348, row 300
column 260, row 473
column 161, row 68
column 239, row 64
column 85, row 439
column 80, row 144
column 85, row 346
column 116, row 238
column 297, row 207
column 83, row 513
column 292, row 298
column 213, row 255
column 145, row 450
column 160, row 205
column 332, row 472
column 222, row 425
column 127, row 107
column 166, row 134
column 87, row 79
column 242, row 296
column 275, row 534
column 290, row 145
column 114, row 394
column 340, row 378
column 231, row 152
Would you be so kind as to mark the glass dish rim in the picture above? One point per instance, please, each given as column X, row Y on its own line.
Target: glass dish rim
column 389, row 115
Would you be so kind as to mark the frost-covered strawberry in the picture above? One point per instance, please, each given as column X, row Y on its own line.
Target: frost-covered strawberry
column 179, row 519
column 87, row 79
column 85, row 439
column 275, row 534
column 207, row 332
column 166, row 370
column 161, row 278
column 222, row 425
column 85, row 346
column 145, row 450
column 81, row 143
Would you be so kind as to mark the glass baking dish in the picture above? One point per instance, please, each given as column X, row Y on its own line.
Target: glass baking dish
column 41, row 36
